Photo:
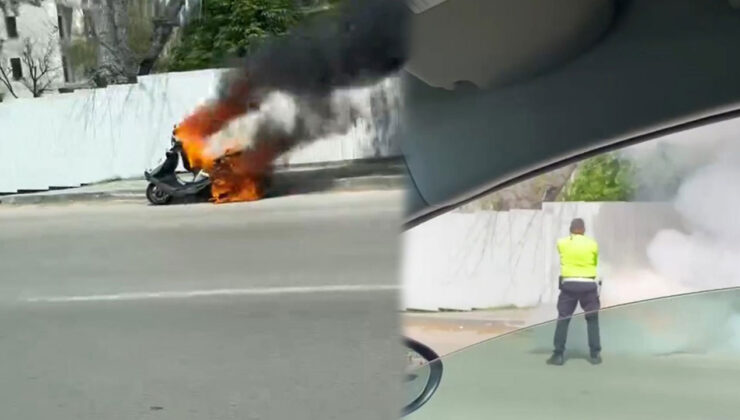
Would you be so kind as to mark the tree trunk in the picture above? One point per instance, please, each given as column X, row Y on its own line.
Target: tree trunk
column 163, row 27
column 116, row 62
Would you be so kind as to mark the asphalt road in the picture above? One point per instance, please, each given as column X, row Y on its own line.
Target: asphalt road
column 280, row 309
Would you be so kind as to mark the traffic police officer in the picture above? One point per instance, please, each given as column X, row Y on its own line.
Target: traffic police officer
column 579, row 257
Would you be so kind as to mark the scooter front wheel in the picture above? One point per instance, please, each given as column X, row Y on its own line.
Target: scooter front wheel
column 156, row 196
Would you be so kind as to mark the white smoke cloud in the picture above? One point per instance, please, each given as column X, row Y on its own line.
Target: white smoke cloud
column 277, row 109
column 311, row 120
column 703, row 256
column 639, row 284
column 710, row 199
column 707, row 256
column 705, row 164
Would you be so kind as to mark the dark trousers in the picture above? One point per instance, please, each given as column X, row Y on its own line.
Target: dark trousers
column 571, row 294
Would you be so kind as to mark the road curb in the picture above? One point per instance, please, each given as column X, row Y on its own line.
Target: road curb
column 320, row 184
column 380, row 182
column 29, row 199
column 349, row 175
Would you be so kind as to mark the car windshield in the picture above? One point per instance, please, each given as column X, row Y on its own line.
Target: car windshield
column 676, row 357
column 663, row 214
column 651, row 223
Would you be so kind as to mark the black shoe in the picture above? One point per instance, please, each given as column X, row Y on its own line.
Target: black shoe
column 595, row 359
column 556, row 360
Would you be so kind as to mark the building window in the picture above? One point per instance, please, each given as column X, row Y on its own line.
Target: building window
column 11, row 27
column 60, row 24
column 15, row 65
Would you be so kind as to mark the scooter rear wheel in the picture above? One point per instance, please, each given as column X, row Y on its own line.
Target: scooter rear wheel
column 156, row 196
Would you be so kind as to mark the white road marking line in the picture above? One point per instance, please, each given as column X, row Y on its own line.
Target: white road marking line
column 186, row 294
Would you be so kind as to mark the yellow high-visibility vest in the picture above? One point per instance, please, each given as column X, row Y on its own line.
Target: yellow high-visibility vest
column 579, row 256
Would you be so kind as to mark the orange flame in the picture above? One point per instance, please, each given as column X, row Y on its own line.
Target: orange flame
column 241, row 176
column 194, row 131
column 236, row 176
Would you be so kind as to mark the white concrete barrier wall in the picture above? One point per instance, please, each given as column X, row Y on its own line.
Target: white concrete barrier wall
column 491, row 259
column 120, row 131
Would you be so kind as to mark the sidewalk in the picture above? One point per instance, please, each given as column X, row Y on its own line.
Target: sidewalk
column 369, row 174
column 446, row 332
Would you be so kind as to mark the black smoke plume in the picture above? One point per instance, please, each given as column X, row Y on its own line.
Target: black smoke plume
column 362, row 44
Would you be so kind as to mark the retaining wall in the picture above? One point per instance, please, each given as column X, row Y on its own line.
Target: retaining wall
column 120, row 131
column 484, row 259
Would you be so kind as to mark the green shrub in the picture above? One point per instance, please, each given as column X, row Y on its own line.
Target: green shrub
column 606, row 177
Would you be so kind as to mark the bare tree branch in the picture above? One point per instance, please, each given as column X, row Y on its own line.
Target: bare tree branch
column 5, row 72
column 41, row 67
column 6, row 80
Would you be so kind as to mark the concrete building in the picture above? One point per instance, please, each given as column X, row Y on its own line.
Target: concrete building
column 62, row 26
column 31, row 29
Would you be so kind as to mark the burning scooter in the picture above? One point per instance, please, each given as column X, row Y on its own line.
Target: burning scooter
column 165, row 185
